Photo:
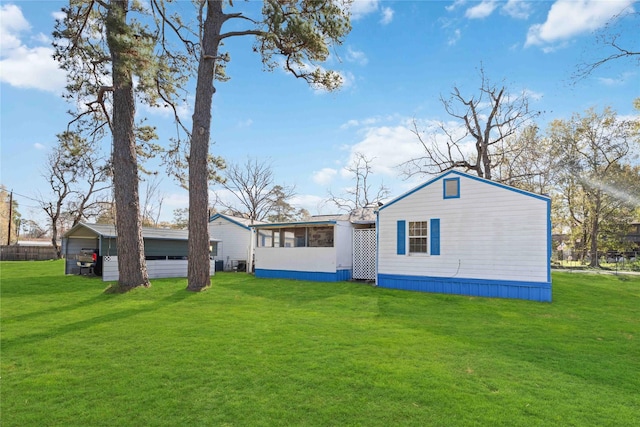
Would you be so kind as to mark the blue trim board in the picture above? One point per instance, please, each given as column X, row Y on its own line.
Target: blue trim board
column 313, row 276
column 533, row 291
column 434, row 225
column 401, row 237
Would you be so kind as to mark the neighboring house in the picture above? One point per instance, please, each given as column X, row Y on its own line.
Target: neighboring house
column 165, row 250
column 320, row 249
column 461, row 234
column 633, row 236
column 235, row 250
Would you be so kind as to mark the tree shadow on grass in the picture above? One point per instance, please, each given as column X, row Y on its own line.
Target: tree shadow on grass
column 58, row 309
column 174, row 298
column 294, row 291
column 48, row 285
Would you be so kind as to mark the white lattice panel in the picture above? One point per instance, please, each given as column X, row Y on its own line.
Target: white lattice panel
column 364, row 254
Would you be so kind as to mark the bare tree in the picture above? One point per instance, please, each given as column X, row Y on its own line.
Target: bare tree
column 612, row 43
column 252, row 185
column 528, row 162
column 486, row 122
column 359, row 195
column 77, row 175
column 152, row 201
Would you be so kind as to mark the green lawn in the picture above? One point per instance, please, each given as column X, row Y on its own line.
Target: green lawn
column 258, row 352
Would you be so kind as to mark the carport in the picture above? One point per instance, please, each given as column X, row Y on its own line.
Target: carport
column 166, row 250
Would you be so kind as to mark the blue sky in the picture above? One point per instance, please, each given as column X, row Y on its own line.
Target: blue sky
column 400, row 57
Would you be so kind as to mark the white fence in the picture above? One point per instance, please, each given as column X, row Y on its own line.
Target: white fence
column 156, row 269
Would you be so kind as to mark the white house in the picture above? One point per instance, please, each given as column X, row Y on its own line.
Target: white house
column 235, row 250
column 461, row 234
column 319, row 249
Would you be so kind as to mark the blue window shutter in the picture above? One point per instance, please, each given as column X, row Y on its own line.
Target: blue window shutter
column 435, row 236
column 402, row 237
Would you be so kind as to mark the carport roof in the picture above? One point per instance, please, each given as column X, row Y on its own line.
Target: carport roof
column 107, row 230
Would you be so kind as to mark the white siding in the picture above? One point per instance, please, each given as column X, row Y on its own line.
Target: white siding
column 489, row 232
column 297, row 259
column 343, row 242
column 235, row 241
column 156, row 269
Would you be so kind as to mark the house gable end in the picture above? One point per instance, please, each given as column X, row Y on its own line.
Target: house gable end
column 231, row 220
column 452, row 173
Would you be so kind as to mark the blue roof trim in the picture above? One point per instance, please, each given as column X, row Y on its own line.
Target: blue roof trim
column 294, row 224
column 465, row 175
column 218, row 215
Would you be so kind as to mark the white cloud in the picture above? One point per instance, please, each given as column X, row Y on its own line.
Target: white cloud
column 387, row 15
column 517, row 9
column 531, row 94
column 32, row 68
column 245, row 123
column 361, row 8
column 183, row 110
column 482, row 10
column 39, row 146
column 59, row 15
column 324, row 176
column 173, row 201
column 387, row 147
column 313, row 203
column 24, row 66
column 456, row 4
column 369, row 121
column 12, row 23
column 570, row 18
column 455, row 37
column 617, row 81
column 356, row 56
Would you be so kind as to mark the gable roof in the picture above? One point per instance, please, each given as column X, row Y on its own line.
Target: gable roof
column 109, row 231
column 465, row 175
column 245, row 223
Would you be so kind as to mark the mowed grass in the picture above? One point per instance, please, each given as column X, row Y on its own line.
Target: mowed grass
column 258, row 352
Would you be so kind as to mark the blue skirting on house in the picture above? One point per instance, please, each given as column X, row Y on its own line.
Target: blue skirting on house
column 314, row 276
column 534, row 291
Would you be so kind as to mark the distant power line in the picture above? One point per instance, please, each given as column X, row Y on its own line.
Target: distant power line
column 28, row 198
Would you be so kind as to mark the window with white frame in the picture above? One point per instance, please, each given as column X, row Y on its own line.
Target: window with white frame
column 418, row 242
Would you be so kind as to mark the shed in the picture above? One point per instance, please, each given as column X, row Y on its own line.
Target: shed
column 166, row 250
column 319, row 249
column 460, row 234
column 235, row 234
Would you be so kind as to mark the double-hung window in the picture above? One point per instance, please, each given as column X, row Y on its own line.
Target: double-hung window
column 418, row 242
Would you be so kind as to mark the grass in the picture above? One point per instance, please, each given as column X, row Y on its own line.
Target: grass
column 257, row 352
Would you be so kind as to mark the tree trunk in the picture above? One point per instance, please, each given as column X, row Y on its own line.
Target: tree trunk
column 131, row 259
column 199, row 264
column 595, row 226
column 54, row 239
